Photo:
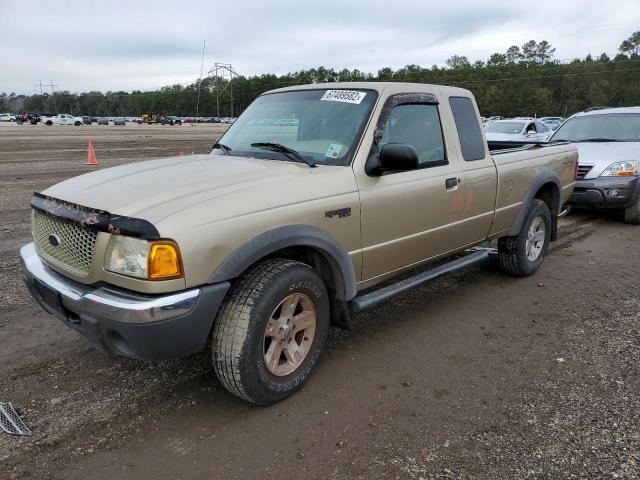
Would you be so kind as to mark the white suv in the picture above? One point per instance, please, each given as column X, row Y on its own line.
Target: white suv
column 608, row 142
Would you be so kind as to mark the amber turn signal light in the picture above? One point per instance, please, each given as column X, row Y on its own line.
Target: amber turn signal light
column 165, row 262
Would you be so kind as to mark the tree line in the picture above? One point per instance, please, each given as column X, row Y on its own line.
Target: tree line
column 523, row 80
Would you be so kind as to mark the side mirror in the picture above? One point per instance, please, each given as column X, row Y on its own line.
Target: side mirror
column 398, row 156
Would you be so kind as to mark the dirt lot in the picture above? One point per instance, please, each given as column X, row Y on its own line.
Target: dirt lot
column 477, row 375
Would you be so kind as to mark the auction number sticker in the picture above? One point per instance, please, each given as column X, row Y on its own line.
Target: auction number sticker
column 347, row 96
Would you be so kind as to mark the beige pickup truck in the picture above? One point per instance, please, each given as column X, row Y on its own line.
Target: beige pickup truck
column 304, row 213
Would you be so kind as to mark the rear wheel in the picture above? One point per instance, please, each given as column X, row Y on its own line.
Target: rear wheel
column 632, row 214
column 49, row 123
column 523, row 254
column 270, row 331
column 77, row 124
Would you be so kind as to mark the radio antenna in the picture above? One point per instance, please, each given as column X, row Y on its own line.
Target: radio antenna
column 204, row 46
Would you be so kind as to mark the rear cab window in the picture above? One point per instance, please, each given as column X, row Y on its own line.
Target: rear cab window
column 468, row 127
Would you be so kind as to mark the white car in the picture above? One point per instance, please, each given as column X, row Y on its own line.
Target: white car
column 516, row 131
column 62, row 119
column 608, row 143
column 7, row 117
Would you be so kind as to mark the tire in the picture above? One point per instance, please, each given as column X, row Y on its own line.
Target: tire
column 632, row 213
column 49, row 123
column 77, row 124
column 241, row 342
column 512, row 251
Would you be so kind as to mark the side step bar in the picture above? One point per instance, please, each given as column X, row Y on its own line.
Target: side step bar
column 565, row 211
column 371, row 299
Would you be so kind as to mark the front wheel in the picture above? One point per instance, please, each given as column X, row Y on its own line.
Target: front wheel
column 270, row 331
column 523, row 254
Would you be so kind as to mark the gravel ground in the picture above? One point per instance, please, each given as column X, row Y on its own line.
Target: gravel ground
column 474, row 376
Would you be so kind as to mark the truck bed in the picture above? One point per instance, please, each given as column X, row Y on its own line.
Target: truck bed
column 496, row 148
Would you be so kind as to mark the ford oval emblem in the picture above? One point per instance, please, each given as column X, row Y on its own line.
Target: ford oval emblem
column 55, row 240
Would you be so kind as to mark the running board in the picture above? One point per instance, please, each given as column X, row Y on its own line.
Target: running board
column 565, row 211
column 386, row 293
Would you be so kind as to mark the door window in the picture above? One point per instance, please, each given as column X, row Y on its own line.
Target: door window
column 418, row 125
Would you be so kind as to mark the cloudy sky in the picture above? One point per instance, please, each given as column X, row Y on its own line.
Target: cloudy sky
column 85, row 45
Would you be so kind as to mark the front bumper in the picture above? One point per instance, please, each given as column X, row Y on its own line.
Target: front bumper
column 597, row 192
column 148, row 327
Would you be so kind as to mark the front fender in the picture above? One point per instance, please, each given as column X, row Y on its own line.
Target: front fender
column 287, row 236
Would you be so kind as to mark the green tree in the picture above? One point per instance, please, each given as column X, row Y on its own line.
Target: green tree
column 631, row 45
column 456, row 62
column 513, row 54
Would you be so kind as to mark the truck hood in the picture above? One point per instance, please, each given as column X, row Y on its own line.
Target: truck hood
column 156, row 189
column 602, row 154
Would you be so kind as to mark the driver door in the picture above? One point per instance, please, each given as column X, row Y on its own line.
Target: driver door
column 410, row 216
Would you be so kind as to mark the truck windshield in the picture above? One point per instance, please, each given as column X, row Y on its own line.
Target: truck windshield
column 612, row 127
column 504, row 127
column 320, row 125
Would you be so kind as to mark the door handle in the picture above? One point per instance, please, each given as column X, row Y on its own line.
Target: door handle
column 451, row 183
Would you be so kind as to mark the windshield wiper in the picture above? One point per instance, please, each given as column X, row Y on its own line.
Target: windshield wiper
column 289, row 152
column 222, row 147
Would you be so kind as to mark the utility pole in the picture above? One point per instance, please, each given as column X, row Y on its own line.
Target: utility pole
column 41, row 97
column 223, row 75
column 52, row 95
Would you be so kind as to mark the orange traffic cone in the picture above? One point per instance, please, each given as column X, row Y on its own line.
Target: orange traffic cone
column 91, row 156
column 181, row 153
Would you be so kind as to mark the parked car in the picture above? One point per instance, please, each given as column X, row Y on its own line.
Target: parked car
column 552, row 122
column 170, row 120
column 7, row 117
column 119, row 121
column 27, row 117
column 103, row 121
column 62, row 119
column 551, row 119
column 86, row 120
column 608, row 141
column 256, row 248
column 516, row 131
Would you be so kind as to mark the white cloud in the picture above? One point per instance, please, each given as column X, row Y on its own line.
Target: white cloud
column 114, row 45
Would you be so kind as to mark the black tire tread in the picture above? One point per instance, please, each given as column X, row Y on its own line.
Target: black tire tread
column 231, row 326
column 632, row 213
column 509, row 248
column 507, row 258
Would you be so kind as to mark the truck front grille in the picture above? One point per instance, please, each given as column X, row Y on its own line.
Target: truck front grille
column 64, row 243
column 583, row 170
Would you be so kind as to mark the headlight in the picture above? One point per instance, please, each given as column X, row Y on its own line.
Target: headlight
column 158, row 260
column 622, row 169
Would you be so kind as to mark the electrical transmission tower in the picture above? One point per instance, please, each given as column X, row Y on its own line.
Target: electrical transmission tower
column 53, row 97
column 223, row 75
